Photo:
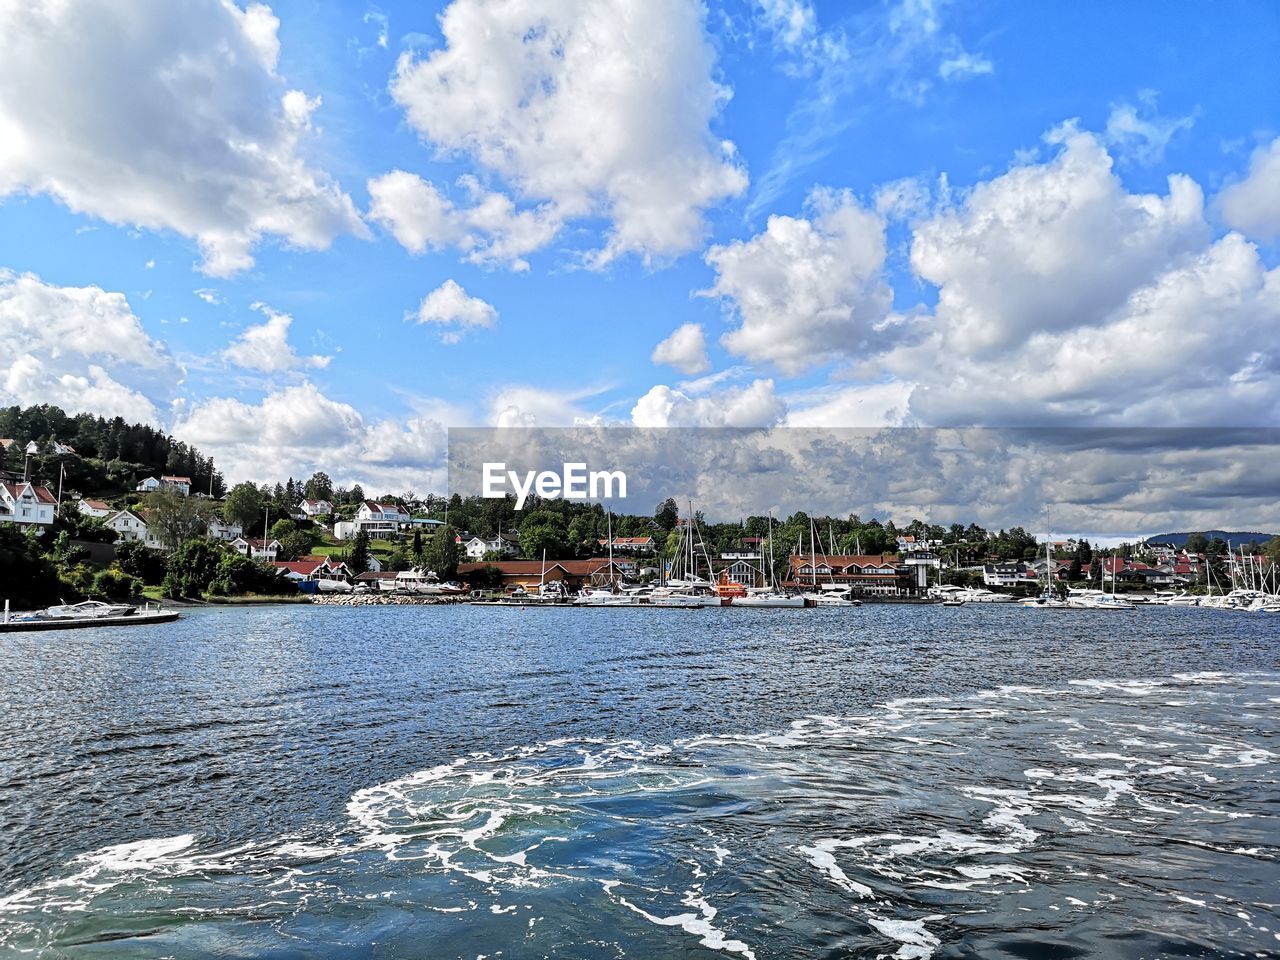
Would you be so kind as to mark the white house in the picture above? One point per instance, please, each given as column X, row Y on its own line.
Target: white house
column 630, row 544
column 129, row 526
column 256, row 548
column 224, row 530
column 315, row 508
column 379, row 519
column 95, row 508
column 506, row 544
column 25, row 504
column 313, row 568
column 180, row 484
column 35, row 448
column 148, row 485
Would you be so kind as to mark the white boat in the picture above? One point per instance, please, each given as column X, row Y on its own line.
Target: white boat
column 334, row 586
column 85, row 610
column 829, row 594
column 419, row 581
column 826, row 599
column 767, row 598
column 1093, row 599
column 953, row 602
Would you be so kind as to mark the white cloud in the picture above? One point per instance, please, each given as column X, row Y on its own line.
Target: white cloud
column 1063, row 298
column 685, row 349
column 1141, row 132
column 1050, row 247
column 1253, row 204
column 209, row 296
column 517, row 405
column 806, row 290
column 80, row 348
column 83, row 85
column 491, row 231
column 266, row 346
column 867, row 405
column 601, row 109
column 756, row 405
column 298, row 430
column 450, row 307
column 964, row 65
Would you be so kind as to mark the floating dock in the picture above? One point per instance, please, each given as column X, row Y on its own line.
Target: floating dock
column 125, row 620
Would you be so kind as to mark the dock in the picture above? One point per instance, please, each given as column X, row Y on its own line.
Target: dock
column 125, row 620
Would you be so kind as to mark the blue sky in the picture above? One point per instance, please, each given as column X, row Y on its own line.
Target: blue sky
column 170, row 201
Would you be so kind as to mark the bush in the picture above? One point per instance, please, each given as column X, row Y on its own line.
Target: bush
column 114, row 583
column 191, row 568
column 138, row 560
column 237, row 575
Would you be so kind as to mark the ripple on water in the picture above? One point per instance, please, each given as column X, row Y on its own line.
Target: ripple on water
column 972, row 824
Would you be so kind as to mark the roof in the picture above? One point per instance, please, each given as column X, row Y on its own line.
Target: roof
column 177, row 479
column 96, row 504
column 377, row 575
column 315, row 503
column 304, row 567
column 6, row 442
column 844, row 560
column 259, row 542
column 42, row 494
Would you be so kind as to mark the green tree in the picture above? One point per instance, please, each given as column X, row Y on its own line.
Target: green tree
column 115, row 584
column 191, row 568
column 544, row 530
column 237, row 575
column 319, row 487
column 244, row 506
column 175, row 519
column 28, row 580
column 358, row 558
column 138, row 560
column 440, row 553
column 667, row 515
column 1197, row 543
column 295, row 544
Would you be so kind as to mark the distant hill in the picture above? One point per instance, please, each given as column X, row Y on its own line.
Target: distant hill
column 1234, row 538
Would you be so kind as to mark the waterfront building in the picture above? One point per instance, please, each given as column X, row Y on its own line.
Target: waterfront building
column 883, row 574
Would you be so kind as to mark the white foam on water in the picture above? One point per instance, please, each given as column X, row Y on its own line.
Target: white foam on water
column 822, row 856
column 917, row 942
column 695, row 924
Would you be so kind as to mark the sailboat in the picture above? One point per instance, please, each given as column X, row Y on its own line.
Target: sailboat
column 686, row 587
column 834, row 596
column 1048, row 600
column 769, row 596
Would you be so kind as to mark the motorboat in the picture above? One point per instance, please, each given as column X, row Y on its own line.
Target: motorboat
column 85, row 610
column 419, row 581
column 768, row 598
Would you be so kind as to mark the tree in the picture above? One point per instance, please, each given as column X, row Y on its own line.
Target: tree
column 417, row 542
column 175, row 518
column 115, row 584
column 440, row 553
column 1197, row 543
column 358, row 559
column 138, row 560
column 244, row 506
column 319, row 487
column 27, row 579
column 191, row 568
column 667, row 515
column 295, row 544
column 544, row 530
column 236, row 574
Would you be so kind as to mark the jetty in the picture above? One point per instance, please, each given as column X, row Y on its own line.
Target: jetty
column 143, row 618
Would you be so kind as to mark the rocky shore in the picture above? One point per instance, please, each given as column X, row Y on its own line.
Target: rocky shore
column 383, row 599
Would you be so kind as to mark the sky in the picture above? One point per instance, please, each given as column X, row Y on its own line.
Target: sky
column 316, row 235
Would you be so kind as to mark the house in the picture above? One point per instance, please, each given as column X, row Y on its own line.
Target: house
column 574, row 574
column 475, row 547
column 256, row 548
column 181, row 484
column 27, row 505
column 315, row 508
column 224, row 530
column 743, row 569
column 52, row 448
column 95, row 508
column 1011, row 574
column 310, row 569
column 874, row 573
column 132, row 526
column 378, row 519
column 630, row 544
column 148, row 485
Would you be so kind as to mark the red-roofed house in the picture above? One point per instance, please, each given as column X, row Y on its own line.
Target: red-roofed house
column 875, row 573
column 313, row 568
column 27, row 505
column 95, row 508
column 379, row 519
column 256, row 548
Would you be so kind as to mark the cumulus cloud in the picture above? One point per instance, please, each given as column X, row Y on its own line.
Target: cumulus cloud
column 298, row 430
column 807, row 289
column 81, row 348
column 164, row 116
column 1063, row 298
column 490, row 231
column 756, row 405
column 1048, row 246
column 685, row 349
column 266, row 346
column 450, row 307
column 1252, row 205
column 602, row 109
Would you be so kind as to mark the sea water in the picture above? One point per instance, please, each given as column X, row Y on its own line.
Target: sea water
column 887, row 781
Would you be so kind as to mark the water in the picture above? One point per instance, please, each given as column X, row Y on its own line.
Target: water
column 477, row 782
